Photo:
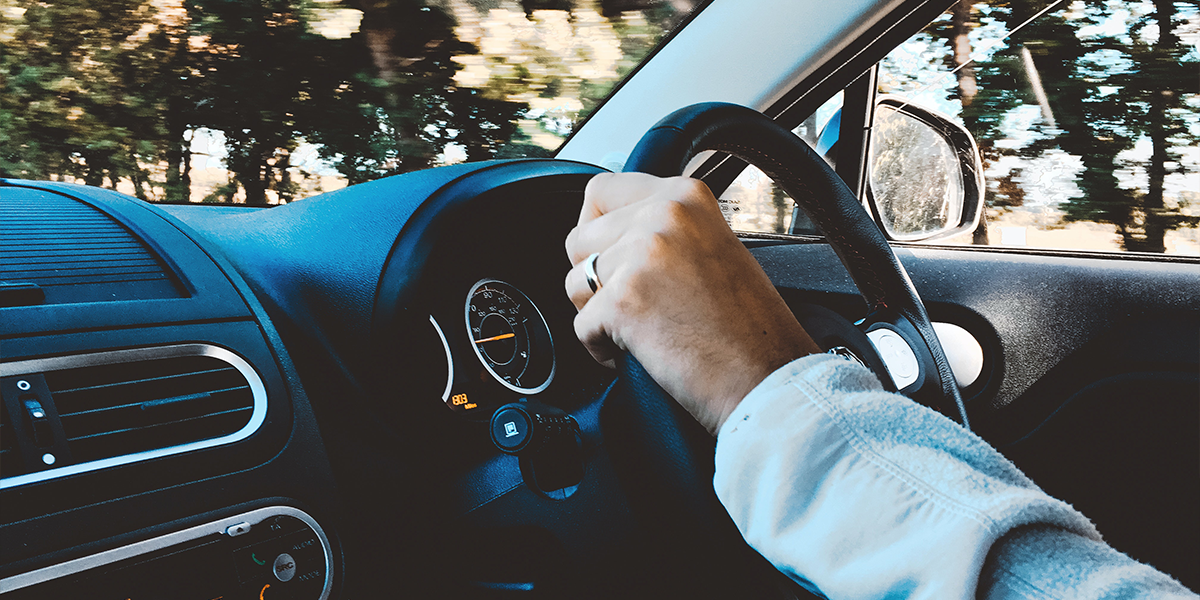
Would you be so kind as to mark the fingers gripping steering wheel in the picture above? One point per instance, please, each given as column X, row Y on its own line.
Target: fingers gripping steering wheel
column 663, row 452
column 666, row 149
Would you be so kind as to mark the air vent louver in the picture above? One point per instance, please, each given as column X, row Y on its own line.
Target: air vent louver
column 74, row 252
column 9, row 462
column 124, row 406
column 110, row 410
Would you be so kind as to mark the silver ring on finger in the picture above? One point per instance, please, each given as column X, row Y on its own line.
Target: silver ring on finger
column 589, row 271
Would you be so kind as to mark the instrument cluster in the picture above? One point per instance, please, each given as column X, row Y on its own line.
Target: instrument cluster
column 511, row 348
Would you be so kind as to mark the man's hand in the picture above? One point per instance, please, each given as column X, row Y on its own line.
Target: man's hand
column 679, row 291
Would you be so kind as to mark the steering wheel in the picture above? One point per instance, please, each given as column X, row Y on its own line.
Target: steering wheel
column 664, row 454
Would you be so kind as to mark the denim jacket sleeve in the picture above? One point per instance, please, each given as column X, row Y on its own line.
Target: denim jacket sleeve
column 860, row 493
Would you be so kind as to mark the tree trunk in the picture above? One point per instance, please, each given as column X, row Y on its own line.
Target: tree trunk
column 960, row 44
column 176, row 190
column 185, row 176
column 1152, row 203
column 254, row 179
column 138, row 177
column 178, row 187
column 94, row 176
column 783, row 209
column 378, row 34
column 286, row 189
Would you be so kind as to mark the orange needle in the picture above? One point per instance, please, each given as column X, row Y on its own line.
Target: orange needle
column 503, row 336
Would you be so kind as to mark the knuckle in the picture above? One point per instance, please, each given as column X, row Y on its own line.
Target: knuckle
column 571, row 241
column 676, row 211
column 595, row 184
column 687, row 187
column 665, row 214
column 568, row 283
column 628, row 297
column 656, row 246
column 580, row 326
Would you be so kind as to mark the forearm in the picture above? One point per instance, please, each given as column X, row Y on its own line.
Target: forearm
column 1047, row 562
column 868, row 495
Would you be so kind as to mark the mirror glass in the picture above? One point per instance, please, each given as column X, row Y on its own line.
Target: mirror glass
column 915, row 176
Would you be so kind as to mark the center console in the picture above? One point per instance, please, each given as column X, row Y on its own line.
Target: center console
column 277, row 552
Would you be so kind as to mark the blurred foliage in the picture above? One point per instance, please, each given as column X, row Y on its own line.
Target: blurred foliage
column 116, row 92
column 1115, row 76
column 110, row 92
column 81, row 82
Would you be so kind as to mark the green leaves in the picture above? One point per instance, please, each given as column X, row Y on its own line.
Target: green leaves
column 104, row 91
column 120, row 92
column 1117, row 80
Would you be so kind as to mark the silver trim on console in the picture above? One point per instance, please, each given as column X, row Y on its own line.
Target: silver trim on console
column 108, row 557
column 59, row 363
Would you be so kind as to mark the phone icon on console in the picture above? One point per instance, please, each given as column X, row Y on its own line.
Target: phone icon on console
column 254, row 557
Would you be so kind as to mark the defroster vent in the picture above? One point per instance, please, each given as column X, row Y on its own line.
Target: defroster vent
column 124, row 406
column 72, row 252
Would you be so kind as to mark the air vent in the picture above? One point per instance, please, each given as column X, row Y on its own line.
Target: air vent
column 112, row 410
column 9, row 462
column 121, row 407
column 74, row 252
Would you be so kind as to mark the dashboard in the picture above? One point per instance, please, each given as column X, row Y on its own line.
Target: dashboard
column 147, row 403
column 301, row 402
column 185, row 385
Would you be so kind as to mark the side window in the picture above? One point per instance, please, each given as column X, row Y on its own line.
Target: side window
column 753, row 202
column 1087, row 116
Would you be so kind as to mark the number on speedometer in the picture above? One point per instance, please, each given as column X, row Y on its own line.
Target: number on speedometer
column 509, row 336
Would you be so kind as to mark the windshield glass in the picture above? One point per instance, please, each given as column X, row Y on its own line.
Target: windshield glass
column 271, row 101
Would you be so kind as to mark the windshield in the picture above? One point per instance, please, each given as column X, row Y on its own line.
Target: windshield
column 271, row 101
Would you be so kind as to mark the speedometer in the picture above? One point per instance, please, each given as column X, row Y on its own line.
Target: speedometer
column 510, row 336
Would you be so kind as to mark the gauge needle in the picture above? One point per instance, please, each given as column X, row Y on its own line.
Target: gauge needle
column 503, row 336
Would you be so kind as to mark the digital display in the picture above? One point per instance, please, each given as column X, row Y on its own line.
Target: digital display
column 460, row 402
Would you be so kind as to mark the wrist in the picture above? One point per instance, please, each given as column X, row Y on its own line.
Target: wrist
column 750, row 373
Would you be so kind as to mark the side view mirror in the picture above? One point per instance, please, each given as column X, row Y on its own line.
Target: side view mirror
column 925, row 175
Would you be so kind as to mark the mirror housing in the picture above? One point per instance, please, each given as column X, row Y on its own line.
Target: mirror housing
column 925, row 174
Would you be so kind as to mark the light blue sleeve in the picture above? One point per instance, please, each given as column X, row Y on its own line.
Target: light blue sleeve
column 860, row 493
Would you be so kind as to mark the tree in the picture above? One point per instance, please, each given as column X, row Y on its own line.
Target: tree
column 1151, row 93
column 253, row 73
column 114, row 91
column 78, row 98
column 1105, row 94
column 411, row 46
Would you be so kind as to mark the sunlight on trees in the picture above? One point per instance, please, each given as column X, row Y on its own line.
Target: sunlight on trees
column 1088, row 115
column 292, row 97
column 1088, row 118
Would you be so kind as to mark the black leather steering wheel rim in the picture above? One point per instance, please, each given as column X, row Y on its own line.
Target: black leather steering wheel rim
column 665, row 457
column 884, row 284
